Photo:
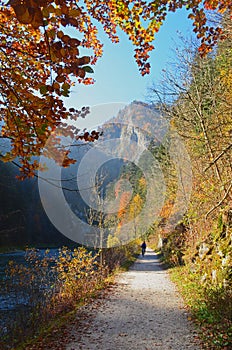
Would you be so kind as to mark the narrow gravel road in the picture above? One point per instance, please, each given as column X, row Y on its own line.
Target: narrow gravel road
column 143, row 312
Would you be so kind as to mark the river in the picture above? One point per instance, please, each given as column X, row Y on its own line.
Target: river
column 10, row 300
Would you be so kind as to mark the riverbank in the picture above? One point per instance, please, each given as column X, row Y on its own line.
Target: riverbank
column 51, row 284
column 45, row 246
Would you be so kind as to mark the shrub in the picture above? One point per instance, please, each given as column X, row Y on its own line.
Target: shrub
column 47, row 286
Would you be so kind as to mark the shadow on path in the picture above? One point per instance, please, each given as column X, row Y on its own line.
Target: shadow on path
column 149, row 262
column 144, row 312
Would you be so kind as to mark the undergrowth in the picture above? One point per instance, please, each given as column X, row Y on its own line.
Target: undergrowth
column 211, row 308
column 52, row 288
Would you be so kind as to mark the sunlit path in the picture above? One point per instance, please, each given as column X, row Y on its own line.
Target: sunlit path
column 144, row 312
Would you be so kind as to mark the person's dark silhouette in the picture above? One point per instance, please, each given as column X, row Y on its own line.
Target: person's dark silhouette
column 143, row 246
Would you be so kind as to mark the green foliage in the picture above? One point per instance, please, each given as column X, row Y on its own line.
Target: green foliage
column 210, row 307
column 88, row 69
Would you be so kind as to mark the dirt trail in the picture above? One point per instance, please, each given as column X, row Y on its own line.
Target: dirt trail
column 144, row 312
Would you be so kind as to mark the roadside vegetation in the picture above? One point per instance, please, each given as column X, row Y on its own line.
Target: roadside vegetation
column 210, row 307
column 53, row 287
column 199, row 247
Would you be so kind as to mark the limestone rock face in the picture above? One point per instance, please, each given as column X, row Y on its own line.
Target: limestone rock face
column 134, row 128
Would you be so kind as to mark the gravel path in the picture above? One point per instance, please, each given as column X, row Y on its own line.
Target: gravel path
column 143, row 312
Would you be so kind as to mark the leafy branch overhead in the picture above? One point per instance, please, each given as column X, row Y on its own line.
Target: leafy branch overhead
column 41, row 61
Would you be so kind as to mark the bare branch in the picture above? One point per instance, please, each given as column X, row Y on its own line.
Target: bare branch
column 220, row 202
column 218, row 157
column 52, row 181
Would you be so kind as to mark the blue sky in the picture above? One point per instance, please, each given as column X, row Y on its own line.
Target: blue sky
column 117, row 76
column 116, row 73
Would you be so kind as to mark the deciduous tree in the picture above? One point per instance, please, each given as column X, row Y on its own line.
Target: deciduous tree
column 40, row 61
column 201, row 114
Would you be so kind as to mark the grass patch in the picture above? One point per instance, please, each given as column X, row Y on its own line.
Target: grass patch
column 211, row 308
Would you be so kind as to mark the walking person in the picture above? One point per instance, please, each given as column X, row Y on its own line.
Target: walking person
column 143, row 246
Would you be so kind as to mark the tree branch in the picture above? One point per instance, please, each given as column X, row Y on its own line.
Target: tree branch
column 220, row 202
column 218, row 157
column 52, row 181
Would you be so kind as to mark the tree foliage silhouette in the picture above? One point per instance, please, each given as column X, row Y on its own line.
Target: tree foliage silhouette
column 41, row 61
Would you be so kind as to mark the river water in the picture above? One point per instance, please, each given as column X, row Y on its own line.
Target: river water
column 10, row 300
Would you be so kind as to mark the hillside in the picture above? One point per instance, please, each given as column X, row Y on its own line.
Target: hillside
column 23, row 220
